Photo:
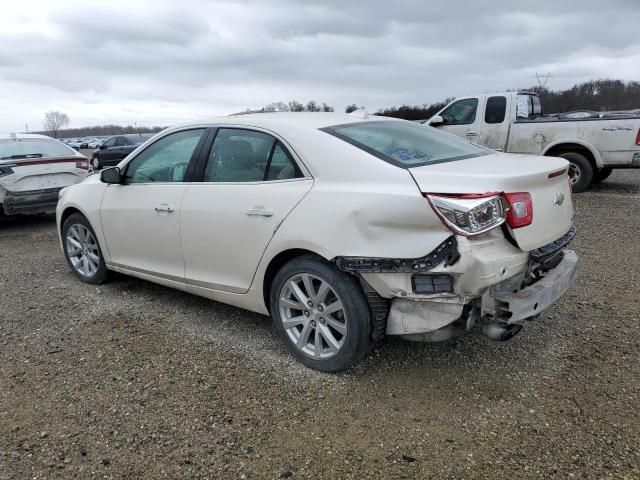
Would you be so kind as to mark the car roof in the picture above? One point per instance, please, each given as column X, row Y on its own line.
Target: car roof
column 11, row 136
column 310, row 120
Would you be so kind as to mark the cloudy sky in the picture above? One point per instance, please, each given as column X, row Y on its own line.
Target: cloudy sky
column 159, row 62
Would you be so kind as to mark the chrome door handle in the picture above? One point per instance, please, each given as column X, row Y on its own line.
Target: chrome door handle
column 164, row 208
column 259, row 212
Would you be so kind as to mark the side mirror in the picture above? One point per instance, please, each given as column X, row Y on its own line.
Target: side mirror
column 436, row 120
column 102, row 147
column 111, row 175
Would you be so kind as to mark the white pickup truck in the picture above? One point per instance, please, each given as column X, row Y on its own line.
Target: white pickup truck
column 593, row 142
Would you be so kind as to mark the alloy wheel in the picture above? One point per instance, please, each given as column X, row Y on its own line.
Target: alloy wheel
column 313, row 315
column 574, row 173
column 82, row 250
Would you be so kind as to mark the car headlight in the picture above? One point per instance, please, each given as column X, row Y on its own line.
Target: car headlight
column 61, row 192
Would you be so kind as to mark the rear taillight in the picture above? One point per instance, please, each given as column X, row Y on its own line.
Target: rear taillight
column 6, row 170
column 469, row 214
column 638, row 137
column 472, row 214
column 83, row 164
column 520, row 213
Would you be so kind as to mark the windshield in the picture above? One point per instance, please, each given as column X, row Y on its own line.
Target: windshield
column 406, row 144
column 33, row 147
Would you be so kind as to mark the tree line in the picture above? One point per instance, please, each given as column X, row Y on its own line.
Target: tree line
column 598, row 95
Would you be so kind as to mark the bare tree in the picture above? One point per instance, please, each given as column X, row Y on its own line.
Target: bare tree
column 351, row 108
column 295, row 106
column 54, row 121
column 277, row 107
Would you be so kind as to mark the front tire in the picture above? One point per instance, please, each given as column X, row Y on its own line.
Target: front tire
column 95, row 163
column 580, row 171
column 82, row 251
column 321, row 314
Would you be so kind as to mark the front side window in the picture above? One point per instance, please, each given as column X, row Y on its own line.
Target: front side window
column 165, row 160
column 247, row 156
column 405, row 144
column 110, row 142
column 120, row 142
column 462, row 112
column 496, row 110
column 33, row 148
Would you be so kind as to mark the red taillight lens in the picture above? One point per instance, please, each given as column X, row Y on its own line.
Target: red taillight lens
column 520, row 212
column 83, row 164
column 638, row 137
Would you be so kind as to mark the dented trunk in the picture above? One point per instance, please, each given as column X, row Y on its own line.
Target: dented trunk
column 544, row 178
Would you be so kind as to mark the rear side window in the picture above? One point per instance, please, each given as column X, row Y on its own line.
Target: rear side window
column 406, row 144
column 496, row 109
column 462, row 112
column 248, row 156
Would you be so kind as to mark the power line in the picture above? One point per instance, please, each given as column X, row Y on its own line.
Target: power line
column 543, row 79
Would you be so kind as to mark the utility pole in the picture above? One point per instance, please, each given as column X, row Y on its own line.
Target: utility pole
column 26, row 127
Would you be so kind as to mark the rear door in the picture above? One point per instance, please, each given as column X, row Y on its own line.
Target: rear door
column 495, row 123
column 141, row 217
column 463, row 118
column 250, row 182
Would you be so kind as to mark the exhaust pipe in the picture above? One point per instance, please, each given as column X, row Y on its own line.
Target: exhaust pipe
column 501, row 332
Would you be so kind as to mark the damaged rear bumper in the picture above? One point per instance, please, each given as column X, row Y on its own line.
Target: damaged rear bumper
column 534, row 299
column 440, row 318
column 32, row 201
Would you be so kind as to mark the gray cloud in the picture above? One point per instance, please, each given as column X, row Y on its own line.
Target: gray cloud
column 162, row 61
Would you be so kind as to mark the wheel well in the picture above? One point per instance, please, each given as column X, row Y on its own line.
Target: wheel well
column 66, row 214
column 572, row 147
column 276, row 264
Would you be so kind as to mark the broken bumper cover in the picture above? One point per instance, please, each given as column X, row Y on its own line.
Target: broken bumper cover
column 536, row 298
column 33, row 201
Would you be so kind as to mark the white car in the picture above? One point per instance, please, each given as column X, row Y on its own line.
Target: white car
column 343, row 228
column 33, row 168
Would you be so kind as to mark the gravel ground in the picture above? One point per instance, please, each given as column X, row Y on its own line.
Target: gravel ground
column 133, row 380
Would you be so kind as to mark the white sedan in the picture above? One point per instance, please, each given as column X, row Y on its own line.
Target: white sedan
column 343, row 228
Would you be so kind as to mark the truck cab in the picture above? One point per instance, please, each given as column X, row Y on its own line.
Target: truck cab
column 594, row 143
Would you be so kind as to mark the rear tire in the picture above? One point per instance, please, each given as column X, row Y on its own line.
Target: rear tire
column 327, row 328
column 602, row 174
column 82, row 251
column 580, row 171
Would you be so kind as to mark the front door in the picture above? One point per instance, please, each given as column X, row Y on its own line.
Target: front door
column 249, row 185
column 462, row 119
column 141, row 217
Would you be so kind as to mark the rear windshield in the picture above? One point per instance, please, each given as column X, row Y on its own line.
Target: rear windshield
column 406, row 144
column 35, row 147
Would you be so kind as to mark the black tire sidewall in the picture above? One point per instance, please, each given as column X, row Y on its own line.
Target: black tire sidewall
column 101, row 275
column 358, row 340
column 602, row 174
column 586, row 170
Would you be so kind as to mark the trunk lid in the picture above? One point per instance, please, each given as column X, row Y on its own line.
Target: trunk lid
column 41, row 173
column 510, row 173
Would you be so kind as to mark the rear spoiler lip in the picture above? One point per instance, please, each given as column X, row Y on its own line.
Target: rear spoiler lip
column 19, row 162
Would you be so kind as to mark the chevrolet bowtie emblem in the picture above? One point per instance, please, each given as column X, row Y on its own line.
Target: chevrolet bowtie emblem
column 559, row 200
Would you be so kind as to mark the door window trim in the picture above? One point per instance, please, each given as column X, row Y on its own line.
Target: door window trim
column 289, row 151
column 188, row 176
